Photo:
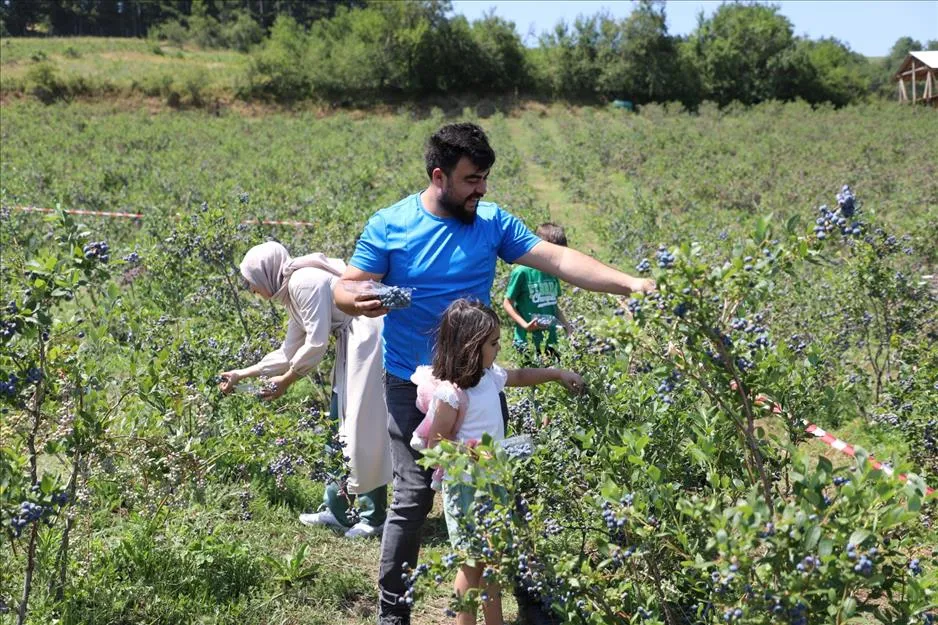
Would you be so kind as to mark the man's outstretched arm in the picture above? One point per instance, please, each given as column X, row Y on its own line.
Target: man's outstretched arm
column 583, row 271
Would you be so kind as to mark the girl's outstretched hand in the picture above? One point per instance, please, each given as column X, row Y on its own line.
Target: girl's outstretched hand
column 572, row 381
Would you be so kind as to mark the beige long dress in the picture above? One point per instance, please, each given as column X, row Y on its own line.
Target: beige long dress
column 357, row 377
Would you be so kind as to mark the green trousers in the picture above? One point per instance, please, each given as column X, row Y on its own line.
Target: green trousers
column 372, row 506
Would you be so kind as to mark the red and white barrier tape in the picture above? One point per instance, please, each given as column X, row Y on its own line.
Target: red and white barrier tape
column 835, row 443
column 76, row 211
column 273, row 222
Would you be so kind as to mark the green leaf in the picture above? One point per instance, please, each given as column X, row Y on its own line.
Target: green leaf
column 849, row 606
column 812, row 537
column 611, row 490
column 858, row 536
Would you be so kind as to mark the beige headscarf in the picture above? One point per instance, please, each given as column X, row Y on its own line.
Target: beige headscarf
column 268, row 266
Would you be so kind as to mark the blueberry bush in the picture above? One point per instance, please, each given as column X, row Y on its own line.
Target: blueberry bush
column 681, row 488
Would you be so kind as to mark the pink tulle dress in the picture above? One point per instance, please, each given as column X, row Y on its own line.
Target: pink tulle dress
column 429, row 391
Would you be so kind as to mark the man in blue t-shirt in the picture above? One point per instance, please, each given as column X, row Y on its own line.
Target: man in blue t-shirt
column 443, row 242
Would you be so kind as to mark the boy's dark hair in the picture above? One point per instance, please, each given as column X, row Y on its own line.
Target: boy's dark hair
column 453, row 141
column 464, row 327
column 552, row 233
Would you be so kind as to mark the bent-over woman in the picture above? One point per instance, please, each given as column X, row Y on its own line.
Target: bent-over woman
column 304, row 286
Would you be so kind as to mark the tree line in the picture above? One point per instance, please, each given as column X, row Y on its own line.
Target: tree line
column 363, row 51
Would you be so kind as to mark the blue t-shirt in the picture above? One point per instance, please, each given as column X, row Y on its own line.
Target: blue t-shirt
column 442, row 259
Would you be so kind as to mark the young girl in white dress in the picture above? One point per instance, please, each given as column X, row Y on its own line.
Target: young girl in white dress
column 460, row 393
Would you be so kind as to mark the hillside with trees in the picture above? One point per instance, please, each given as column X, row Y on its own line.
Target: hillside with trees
column 356, row 52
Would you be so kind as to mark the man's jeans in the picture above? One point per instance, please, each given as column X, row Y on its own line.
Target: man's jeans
column 410, row 505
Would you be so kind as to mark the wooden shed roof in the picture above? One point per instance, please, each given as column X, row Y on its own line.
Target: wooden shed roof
column 922, row 58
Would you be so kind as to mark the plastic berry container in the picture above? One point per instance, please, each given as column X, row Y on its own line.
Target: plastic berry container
column 391, row 297
column 544, row 322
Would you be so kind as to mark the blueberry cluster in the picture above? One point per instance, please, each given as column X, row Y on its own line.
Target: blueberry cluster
column 410, row 577
column 841, row 481
column 808, row 564
column 722, row 582
column 523, row 510
column 312, row 420
column 8, row 388
column 613, row 521
column 283, row 466
column 621, row 556
column 552, row 527
column 8, row 326
column 643, row 266
column 532, row 580
column 930, row 436
column 828, row 220
column 33, row 375
column 522, row 415
column 97, row 250
column 244, row 499
column 733, row 615
column 258, row 429
column 915, row 567
column 30, row 512
column 584, row 339
column 667, row 386
column 664, row 257
column 133, row 258
column 797, row 344
column 756, row 335
column 846, row 202
column 797, row 615
column 864, row 565
column 394, row 297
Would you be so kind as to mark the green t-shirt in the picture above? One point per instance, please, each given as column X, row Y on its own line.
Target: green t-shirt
column 533, row 292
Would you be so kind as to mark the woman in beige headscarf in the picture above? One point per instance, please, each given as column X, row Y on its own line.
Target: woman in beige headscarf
column 304, row 285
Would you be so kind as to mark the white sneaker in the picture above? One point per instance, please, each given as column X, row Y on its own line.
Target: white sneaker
column 323, row 517
column 362, row 529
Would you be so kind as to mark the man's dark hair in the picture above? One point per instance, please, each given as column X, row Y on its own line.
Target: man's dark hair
column 453, row 141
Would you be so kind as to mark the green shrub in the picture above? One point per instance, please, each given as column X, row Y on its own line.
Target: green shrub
column 277, row 70
column 241, row 33
column 43, row 82
column 172, row 31
column 191, row 85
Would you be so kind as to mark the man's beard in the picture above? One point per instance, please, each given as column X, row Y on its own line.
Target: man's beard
column 458, row 209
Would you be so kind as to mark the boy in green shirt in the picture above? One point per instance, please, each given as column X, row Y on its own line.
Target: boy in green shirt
column 532, row 297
